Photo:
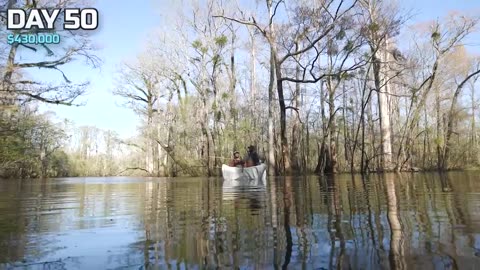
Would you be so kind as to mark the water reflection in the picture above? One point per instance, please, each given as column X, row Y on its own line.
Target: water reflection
column 392, row 221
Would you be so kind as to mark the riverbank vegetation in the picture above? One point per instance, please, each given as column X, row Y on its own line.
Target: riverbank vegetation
column 318, row 86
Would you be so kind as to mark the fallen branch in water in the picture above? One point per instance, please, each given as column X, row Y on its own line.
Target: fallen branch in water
column 133, row 168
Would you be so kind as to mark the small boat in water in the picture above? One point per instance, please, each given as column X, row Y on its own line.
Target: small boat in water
column 256, row 175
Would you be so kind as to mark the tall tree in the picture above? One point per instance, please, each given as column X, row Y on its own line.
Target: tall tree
column 441, row 40
column 138, row 84
column 382, row 22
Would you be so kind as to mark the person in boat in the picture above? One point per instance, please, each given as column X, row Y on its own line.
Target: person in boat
column 252, row 158
column 236, row 160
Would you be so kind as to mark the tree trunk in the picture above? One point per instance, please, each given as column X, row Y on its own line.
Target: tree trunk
column 363, row 168
column 372, row 140
column 253, row 91
column 296, row 133
column 161, row 168
column 346, row 130
column 271, row 38
column 233, row 84
column 331, row 161
column 286, row 163
column 306, row 145
column 271, row 85
column 425, row 141
column 8, row 96
column 319, row 169
column 396, row 245
column 439, row 135
column 473, row 148
column 149, row 166
column 380, row 69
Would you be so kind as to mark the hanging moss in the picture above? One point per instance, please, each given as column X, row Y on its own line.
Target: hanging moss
column 197, row 44
column 221, row 41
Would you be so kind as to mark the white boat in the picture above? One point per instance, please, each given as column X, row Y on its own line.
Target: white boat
column 239, row 176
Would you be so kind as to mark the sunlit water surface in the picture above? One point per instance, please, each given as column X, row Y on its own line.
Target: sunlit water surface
column 407, row 221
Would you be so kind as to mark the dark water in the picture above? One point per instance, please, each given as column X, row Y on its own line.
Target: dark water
column 409, row 221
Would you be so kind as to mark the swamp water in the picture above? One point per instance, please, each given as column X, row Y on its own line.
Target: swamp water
column 393, row 221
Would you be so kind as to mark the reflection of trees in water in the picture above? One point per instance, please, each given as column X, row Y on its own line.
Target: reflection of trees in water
column 287, row 203
column 204, row 229
column 233, row 232
column 249, row 228
column 302, row 204
column 396, row 244
column 334, row 225
column 392, row 221
column 272, row 210
column 375, row 238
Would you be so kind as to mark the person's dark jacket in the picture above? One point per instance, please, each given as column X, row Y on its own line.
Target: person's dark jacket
column 252, row 159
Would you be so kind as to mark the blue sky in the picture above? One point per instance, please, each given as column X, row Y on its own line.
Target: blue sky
column 121, row 33
column 125, row 27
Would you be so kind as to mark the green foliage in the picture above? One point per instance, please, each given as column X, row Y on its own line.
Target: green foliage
column 197, row 44
column 340, row 35
column 439, row 141
column 30, row 5
column 374, row 27
column 345, row 75
column 332, row 48
column 216, row 59
column 61, row 165
column 245, row 126
column 31, row 145
column 349, row 46
column 221, row 41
